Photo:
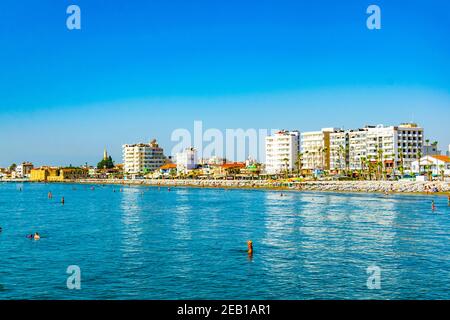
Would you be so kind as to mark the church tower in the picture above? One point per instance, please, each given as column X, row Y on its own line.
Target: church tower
column 105, row 155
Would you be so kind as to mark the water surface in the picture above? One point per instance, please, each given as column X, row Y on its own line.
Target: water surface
column 149, row 243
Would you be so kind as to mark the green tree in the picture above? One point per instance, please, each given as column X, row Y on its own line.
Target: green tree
column 286, row 165
column 442, row 171
column 106, row 163
column 299, row 162
column 12, row 167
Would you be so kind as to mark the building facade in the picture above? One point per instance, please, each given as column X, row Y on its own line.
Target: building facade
column 410, row 141
column 437, row 165
column 282, row 151
column 339, row 141
column 186, row 160
column 23, row 170
column 142, row 158
column 394, row 146
column 315, row 149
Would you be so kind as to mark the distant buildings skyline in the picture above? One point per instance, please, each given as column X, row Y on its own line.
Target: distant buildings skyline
column 312, row 144
column 297, row 64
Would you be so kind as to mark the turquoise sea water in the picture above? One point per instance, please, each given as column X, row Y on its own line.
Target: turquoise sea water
column 145, row 243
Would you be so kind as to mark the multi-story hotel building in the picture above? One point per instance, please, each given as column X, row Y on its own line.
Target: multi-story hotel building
column 186, row 160
column 315, row 148
column 339, row 150
column 282, row 151
column 410, row 140
column 142, row 157
column 393, row 145
column 357, row 148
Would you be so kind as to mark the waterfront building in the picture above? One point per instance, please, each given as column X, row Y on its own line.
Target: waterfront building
column 381, row 145
column 23, row 170
column 228, row 169
column 167, row 170
column 142, row 158
column 282, row 151
column 409, row 139
column 339, row 141
column 393, row 146
column 436, row 164
column 186, row 160
column 357, row 149
column 430, row 149
column 214, row 160
column 54, row 174
column 315, row 149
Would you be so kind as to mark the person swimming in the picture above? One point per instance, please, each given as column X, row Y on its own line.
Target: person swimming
column 62, row 200
column 250, row 247
column 50, row 195
column 433, row 206
column 34, row 236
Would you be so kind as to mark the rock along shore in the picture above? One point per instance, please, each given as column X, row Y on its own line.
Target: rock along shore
column 339, row 186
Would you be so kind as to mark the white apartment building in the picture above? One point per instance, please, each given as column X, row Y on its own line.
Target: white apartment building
column 23, row 170
column 315, row 148
column 381, row 145
column 357, row 148
column 282, row 150
column 436, row 164
column 186, row 160
column 410, row 141
column 142, row 158
column 430, row 149
column 393, row 144
column 339, row 150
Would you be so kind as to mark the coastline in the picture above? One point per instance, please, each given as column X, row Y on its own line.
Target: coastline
column 391, row 187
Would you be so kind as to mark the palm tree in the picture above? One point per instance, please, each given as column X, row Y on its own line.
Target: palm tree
column 442, row 172
column 363, row 165
column 369, row 166
column 324, row 158
column 286, row 161
column 307, row 153
column 379, row 163
column 341, row 154
column 402, row 168
column 321, row 156
column 419, row 155
column 299, row 162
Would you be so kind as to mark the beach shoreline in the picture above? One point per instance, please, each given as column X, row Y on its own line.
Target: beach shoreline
column 383, row 187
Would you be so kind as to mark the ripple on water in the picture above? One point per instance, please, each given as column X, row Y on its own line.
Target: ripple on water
column 191, row 244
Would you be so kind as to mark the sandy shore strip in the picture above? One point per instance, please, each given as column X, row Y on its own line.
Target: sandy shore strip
column 429, row 187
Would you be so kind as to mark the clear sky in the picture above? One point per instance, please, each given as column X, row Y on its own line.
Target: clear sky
column 140, row 69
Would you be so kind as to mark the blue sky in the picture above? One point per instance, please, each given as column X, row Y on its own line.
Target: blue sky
column 140, row 69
